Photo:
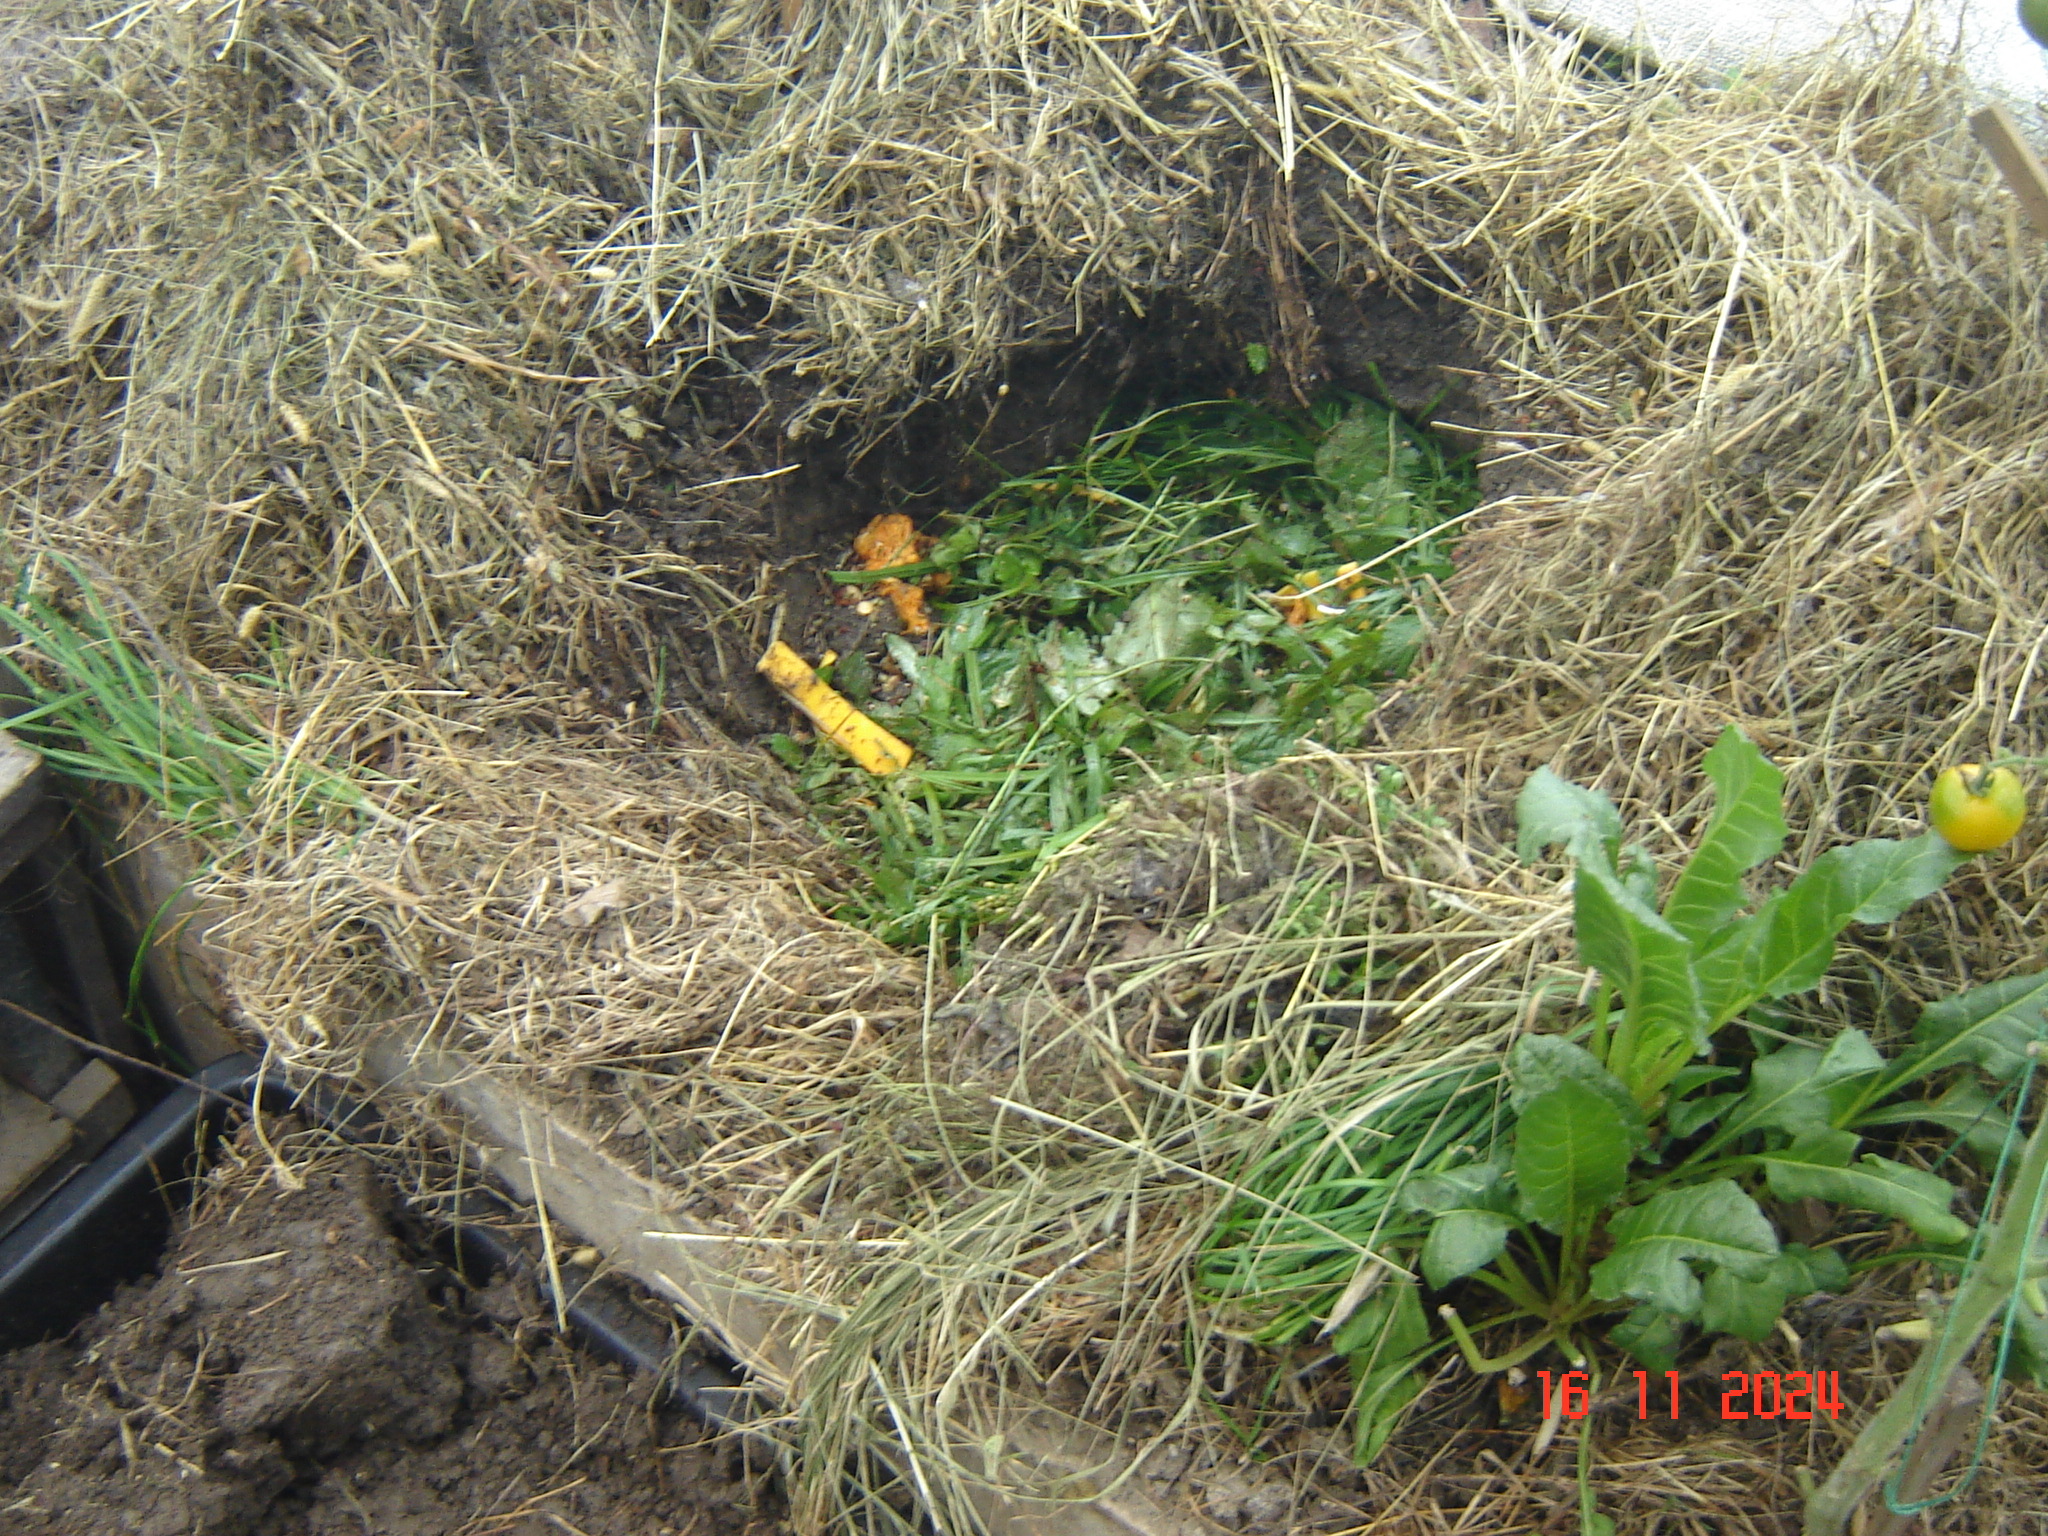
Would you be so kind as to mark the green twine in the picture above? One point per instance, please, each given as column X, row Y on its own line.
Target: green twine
column 2012, row 1303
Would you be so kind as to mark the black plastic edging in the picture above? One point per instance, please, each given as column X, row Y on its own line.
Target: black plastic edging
column 108, row 1221
column 105, row 1223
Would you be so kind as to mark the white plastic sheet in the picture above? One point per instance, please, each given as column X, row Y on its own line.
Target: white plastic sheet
column 2002, row 62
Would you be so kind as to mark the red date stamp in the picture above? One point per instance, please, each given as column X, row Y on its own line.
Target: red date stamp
column 1752, row 1395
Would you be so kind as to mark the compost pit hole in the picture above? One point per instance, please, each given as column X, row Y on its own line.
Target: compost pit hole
column 1119, row 567
column 1212, row 586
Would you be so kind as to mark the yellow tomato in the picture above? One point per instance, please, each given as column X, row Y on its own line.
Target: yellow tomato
column 1976, row 810
column 2034, row 17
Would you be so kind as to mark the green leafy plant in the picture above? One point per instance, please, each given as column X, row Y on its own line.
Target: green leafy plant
column 1117, row 620
column 1615, row 1197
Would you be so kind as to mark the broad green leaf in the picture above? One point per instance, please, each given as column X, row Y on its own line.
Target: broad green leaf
column 1748, row 826
column 1015, row 568
column 956, row 545
column 1378, row 1405
column 2030, row 1345
column 1829, row 1148
column 1690, row 1115
column 1552, row 811
column 1749, row 1309
column 1383, row 1340
column 1571, row 1157
column 1364, row 451
column 1990, row 1025
column 1638, row 872
column 1475, row 1186
column 1698, row 1075
column 1730, row 964
column 1538, row 1063
column 1387, row 1325
column 1713, row 1223
column 1651, row 1336
column 1462, row 1241
column 1645, row 959
column 1810, row 1169
column 1788, row 1089
column 1803, row 1270
column 1868, row 882
column 1975, row 1117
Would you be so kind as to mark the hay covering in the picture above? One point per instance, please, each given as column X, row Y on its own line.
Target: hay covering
column 337, row 333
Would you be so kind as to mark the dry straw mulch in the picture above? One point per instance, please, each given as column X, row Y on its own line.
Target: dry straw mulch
column 340, row 336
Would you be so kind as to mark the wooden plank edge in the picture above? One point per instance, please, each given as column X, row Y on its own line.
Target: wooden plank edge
column 2016, row 161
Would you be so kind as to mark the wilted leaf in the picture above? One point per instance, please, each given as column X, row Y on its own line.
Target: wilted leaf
column 1367, row 1278
column 594, row 903
column 1075, row 673
column 1165, row 623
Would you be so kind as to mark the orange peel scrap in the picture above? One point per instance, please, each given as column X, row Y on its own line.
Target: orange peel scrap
column 1311, row 599
column 891, row 539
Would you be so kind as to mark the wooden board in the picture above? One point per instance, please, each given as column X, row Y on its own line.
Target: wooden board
column 95, row 993
column 2016, row 161
column 150, row 875
column 32, row 1137
column 23, row 782
column 97, row 1104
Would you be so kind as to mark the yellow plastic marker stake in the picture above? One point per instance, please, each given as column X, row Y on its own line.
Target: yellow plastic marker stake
column 844, row 726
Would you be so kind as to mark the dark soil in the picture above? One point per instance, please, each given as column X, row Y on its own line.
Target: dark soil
column 302, row 1366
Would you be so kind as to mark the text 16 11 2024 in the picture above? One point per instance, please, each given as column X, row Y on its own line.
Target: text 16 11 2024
column 1747, row 1394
